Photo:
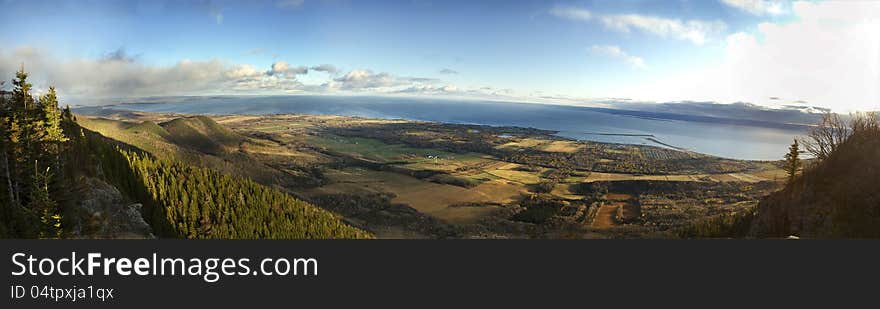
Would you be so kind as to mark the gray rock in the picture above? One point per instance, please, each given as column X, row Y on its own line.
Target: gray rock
column 102, row 212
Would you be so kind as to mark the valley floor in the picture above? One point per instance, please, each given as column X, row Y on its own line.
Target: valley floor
column 405, row 179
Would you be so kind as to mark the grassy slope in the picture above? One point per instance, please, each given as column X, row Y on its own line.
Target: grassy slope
column 197, row 140
column 202, row 133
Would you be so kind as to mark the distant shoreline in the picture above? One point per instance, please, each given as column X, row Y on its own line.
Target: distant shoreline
column 620, row 134
column 578, row 123
column 665, row 144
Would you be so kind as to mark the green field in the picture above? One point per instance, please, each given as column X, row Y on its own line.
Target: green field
column 375, row 150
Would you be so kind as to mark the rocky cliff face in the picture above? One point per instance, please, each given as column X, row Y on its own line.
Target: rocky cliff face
column 102, row 212
column 839, row 197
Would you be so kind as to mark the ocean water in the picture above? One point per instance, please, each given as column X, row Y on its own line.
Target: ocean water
column 737, row 141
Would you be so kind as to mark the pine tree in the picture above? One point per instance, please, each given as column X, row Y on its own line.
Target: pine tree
column 5, row 146
column 23, row 129
column 42, row 204
column 792, row 162
column 54, row 134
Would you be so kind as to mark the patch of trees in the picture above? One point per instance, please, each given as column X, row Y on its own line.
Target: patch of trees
column 544, row 186
column 31, row 163
column 550, row 178
column 726, row 191
column 447, row 179
column 726, row 225
column 539, row 208
column 376, row 211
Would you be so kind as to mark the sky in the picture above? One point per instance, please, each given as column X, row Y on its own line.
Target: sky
column 771, row 53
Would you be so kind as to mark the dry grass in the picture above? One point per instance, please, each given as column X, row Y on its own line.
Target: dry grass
column 563, row 146
column 426, row 197
column 563, row 190
column 528, row 178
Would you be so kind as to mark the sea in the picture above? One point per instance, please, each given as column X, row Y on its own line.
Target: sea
column 728, row 139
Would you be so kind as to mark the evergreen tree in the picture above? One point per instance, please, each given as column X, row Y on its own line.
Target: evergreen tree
column 67, row 114
column 52, row 114
column 42, row 204
column 6, row 199
column 23, row 131
column 792, row 162
column 5, row 168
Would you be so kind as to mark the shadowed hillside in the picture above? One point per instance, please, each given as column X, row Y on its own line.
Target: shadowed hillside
column 198, row 141
column 837, row 197
column 201, row 133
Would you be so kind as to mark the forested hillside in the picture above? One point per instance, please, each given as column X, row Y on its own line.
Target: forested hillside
column 44, row 154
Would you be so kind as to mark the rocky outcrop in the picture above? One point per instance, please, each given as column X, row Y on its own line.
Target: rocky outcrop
column 102, row 212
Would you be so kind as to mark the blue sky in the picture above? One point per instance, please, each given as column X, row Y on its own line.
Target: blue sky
column 560, row 51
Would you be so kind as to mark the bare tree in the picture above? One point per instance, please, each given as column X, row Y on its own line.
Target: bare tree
column 865, row 122
column 824, row 138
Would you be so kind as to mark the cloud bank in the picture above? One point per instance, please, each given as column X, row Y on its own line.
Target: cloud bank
column 829, row 56
column 117, row 74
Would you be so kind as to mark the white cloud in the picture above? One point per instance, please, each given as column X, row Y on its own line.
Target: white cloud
column 429, row 89
column 571, row 13
column 829, row 56
column 244, row 71
column 696, row 31
column 363, row 79
column 284, row 69
column 616, row 52
column 326, row 68
column 758, row 7
column 492, row 91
